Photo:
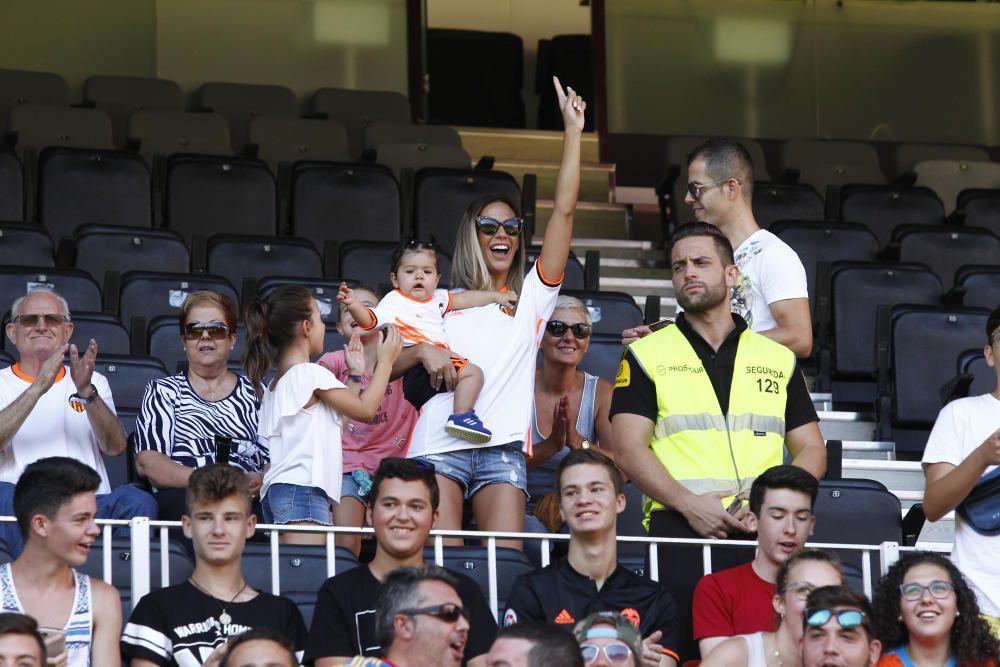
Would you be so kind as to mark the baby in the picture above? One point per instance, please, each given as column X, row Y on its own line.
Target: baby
column 416, row 308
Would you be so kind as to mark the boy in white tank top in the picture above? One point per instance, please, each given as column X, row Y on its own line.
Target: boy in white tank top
column 56, row 508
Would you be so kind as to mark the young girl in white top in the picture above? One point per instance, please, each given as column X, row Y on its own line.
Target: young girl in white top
column 417, row 307
column 300, row 414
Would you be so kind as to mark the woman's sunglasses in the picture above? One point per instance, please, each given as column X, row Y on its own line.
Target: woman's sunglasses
column 215, row 330
column 617, row 654
column 490, row 226
column 580, row 330
column 448, row 612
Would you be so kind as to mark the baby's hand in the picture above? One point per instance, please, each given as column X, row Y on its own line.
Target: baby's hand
column 508, row 298
column 345, row 295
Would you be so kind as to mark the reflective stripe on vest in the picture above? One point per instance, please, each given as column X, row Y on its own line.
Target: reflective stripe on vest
column 702, row 448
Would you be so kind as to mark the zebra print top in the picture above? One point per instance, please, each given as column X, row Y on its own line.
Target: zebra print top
column 175, row 421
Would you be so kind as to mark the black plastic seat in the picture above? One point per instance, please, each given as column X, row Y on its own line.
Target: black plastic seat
column 378, row 133
column 238, row 257
column 240, row 103
column 570, row 57
column 354, row 110
column 603, row 356
column 443, row 195
column 399, row 156
column 103, row 248
column 575, row 275
column 166, row 132
column 336, row 201
column 79, row 186
column 121, row 96
column 370, row 263
column 948, row 178
column 610, row 312
column 112, row 338
column 981, row 208
column 74, row 285
column 11, row 186
column 6, row 360
column 823, row 162
column 128, row 376
column 147, row 294
column 984, row 378
column 19, row 87
column 292, row 140
column 25, row 245
column 981, row 283
column 946, row 248
column 472, row 562
column 786, row 201
column 883, row 208
column 323, row 290
column 39, row 126
column 209, row 195
column 907, row 155
column 302, row 569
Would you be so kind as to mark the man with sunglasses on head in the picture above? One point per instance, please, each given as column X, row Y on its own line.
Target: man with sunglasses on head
column 837, row 629
column 402, row 509
column 50, row 408
column 771, row 293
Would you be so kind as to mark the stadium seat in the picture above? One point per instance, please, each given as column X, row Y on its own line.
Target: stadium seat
column 292, row 140
column 610, row 312
column 19, row 87
column 677, row 151
column 907, row 155
column 39, row 126
column 786, row 201
column 179, row 565
column 945, row 248
column 603, row 356
column 984, row 378
column 242, row 102
column 370, row 263
column 981, row 208
column 409, row 133
column 302, row 569
column 822, row 163
column 323, row 290
column 443, row 195
column 11, row 186
column 6, row 359
column 112, row 338
column 413, row 156
column 25, row 245
column 949, row 177
column 74, row 285
column 981, row 283
column 163, row 341
column 238, row 257
column 570, row 58
column 908, row 398
column 165, row 132
column 147, row 294
column 79, row 186
column 856, row 290
column 473, row 563
column 575, row 277
column 121, row 96
column 816, row 242
column 128, row 376
column 209, row 195
column 495, row 59
column 102, row 248
column 345, row 201
column 882, row 208
column 356, row 109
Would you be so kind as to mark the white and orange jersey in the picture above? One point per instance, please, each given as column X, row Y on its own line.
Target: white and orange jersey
column 418, row 321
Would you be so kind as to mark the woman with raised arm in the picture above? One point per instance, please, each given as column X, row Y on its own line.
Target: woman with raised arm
column 489, row 255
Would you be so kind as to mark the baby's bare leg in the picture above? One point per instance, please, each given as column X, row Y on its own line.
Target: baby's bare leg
column 467, row 388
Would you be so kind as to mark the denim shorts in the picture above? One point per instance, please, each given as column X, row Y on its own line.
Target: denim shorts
column 285, row 503
column 476, row 467
column 349, row 489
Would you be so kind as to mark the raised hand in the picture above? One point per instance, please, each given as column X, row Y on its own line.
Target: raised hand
column 47, row 374
column 345, row 295
column 652, row 651
column 81, row 368
column 571, row 105
column 354, row 356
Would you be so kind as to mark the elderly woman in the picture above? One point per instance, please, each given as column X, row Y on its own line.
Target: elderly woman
column 571, row 406
column 203, row 415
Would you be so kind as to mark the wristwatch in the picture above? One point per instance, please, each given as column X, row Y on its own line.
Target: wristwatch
column 80, row 403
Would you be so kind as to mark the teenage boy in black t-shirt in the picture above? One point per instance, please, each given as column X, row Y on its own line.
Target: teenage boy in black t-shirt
column 403, row 510
column 190, row 623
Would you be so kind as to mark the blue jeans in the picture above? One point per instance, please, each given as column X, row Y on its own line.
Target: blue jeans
column 125, row 502
column 286, row 503
column 476, row 467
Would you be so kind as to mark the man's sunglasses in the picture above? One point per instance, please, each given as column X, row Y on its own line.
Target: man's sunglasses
column 580, row 330
column 695, row 189
column 215, row 330
column 448, row 612
column 490, row 226
column 617, row 654
column 51, row 319
column 848, row 618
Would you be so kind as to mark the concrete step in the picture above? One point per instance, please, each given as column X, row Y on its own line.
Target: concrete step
column 836, row 425
column 896, row 475
column 637, row 286
column 653, row 272
column 522, row 144
column 596, row 180
column 597, row 220
column 624, row 263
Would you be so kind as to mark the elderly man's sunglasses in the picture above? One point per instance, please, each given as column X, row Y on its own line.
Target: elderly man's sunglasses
column 215, row 330
column 50, row 319
column 490, row 226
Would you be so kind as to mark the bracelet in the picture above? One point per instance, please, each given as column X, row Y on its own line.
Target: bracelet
column 356, row 378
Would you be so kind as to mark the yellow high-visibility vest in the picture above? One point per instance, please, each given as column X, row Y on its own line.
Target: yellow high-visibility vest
column 702, row 448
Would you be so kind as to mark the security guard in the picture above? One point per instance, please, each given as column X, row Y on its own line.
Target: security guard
column 703, row 406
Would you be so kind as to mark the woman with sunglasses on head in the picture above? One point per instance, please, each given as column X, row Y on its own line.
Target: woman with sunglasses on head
column 201, row 414
column 489, row 256
column 799, row 575
column 926, row 614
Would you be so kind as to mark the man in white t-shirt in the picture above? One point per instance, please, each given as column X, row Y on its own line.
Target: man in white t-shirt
column 772, row 294
column 963, row 446
column 48, row 409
